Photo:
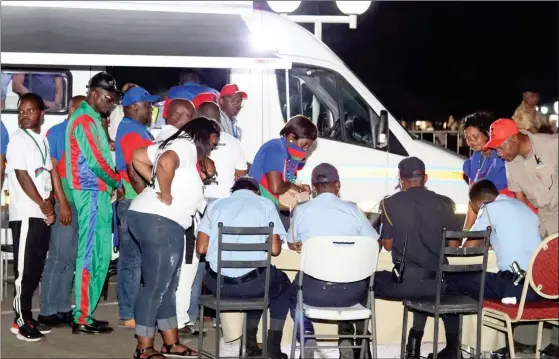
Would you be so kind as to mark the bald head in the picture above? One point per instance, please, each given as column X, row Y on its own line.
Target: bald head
column 209, row 110
column 180, row 112
column 74, row 104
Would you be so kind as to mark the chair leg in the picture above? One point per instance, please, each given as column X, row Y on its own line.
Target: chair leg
column 539, row 339
column 510, row 340
column 294, row 336
column 363, row 348
column 243, row 346
column 460, row 318
column 265, row 333
column 201, row 331
column 300, row 315
column 436, row 337
column 217, row 333
column 404, row 329
column 478, row 335
column 373, row 328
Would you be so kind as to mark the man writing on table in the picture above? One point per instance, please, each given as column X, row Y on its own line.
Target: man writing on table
column 328, row 215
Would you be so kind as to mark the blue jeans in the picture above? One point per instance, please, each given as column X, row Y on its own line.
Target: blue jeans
column 196, row 292
column 162, row 244
column 58, row 274
column 128, row 266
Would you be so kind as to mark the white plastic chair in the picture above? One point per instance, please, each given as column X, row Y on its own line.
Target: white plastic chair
column 338, row 260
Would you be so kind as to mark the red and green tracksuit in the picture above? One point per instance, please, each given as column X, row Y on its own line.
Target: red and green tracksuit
column 91, row 178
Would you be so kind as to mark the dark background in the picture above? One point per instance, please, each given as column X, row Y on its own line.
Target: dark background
column 428, row 60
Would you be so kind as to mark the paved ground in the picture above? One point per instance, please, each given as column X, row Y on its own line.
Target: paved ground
column 61, row 343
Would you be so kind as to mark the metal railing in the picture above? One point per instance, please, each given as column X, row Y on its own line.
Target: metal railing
column 451, row 140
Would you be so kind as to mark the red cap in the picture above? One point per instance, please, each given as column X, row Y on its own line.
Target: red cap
column 204, row 97
column 232, row 89
column 166, row 107
column 500, row 130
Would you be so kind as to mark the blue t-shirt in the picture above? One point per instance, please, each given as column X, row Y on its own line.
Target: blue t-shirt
column 5, row 139
column 189, row 90
column 270, row 157
column 515, row 234
column 491, row 168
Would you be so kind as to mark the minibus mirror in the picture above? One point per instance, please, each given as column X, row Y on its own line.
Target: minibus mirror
column 383, row 129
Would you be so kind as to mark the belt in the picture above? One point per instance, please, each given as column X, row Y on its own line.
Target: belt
column 252, row 275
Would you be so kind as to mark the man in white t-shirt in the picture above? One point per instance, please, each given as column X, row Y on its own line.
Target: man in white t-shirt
column 228, row 157
column 31, row 211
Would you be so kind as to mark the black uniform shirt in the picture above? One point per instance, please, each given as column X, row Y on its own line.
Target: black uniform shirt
column 420, row 215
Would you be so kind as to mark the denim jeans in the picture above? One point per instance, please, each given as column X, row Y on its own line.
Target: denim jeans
column 196, row 292
column 128, row 267
column 58, row 274
column 162, row 244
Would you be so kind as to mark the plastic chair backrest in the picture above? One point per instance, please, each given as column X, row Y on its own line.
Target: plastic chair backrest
column 342, row 259
column 544, row 268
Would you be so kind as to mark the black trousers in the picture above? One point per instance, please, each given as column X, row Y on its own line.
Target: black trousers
column 417, row 284
column 497, row 286
column 31, row 239
column 190, row 238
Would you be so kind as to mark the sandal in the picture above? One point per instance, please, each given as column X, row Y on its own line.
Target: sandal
column 186, row 353
column 155, row 354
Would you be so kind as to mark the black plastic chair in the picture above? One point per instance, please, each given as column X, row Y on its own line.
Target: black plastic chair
column 453, row 304
column 219, row 304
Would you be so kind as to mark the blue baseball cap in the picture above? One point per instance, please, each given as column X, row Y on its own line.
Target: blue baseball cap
column 138, row 94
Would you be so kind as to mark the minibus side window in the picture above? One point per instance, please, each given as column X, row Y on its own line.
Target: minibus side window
column 54, row 87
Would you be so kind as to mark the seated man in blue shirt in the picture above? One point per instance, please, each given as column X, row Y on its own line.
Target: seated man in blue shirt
column 245, row 208
column 328, row 215
column 514, row 237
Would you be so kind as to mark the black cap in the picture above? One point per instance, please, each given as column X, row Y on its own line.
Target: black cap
column 411, row 167
column 249, row 179
column 324, row 173
column 103, row 81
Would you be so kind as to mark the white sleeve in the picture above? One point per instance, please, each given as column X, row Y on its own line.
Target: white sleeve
column 15, row 154
column 49, row 161
column 151, row 151
column 240, row 161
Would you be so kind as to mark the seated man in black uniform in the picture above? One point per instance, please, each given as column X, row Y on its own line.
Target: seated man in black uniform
column 413, row 219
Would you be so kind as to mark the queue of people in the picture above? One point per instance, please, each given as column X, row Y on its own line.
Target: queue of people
column 171, row 192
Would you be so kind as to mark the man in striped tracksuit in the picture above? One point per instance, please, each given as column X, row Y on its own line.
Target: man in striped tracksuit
column 93, row 181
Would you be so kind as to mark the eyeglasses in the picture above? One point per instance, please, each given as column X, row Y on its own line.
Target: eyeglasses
column 109, row 99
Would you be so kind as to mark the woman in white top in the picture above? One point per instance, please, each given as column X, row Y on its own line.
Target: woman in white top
column 158, row 218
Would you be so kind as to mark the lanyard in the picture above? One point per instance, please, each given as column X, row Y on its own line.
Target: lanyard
column 43, row 156
column 481, row 163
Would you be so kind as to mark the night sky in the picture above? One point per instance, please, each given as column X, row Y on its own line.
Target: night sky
column 427, row 60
